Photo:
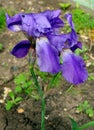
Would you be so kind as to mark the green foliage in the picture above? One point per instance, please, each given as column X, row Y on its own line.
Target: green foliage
column 49, row 80
column 86, row 108
column 24, row 84
column 12, row 101
column 75, row 125
column 2, row 19
column 82, row 20
column 24, row 87
column 90, row 77
column 83, row 52
column 64, row 6
column 1, row 47
column 92, row 63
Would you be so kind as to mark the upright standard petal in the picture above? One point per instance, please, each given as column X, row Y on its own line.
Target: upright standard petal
column 14, row 22
column 28, row 24
column 47, row 55
column 53, row 17
column 69, row 19
column 51, row 14
column 35, row 24
column 73, row 37
column 73, row 68
column 42, row 23
column 21, row 49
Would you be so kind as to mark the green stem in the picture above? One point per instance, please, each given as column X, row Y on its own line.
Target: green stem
column 40, row 91
column 91, row 123
column 53, row 80
column 43, row 114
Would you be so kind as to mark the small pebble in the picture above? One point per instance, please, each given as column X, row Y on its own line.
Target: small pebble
column 20, row 110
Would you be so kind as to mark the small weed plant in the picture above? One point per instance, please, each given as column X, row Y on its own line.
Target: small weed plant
column 75, row 125
column 2, row 19
column 82, row 20
column 90, row 77
column 64, row 6
column 86, row 108
column 1, row 47
column 23, row 87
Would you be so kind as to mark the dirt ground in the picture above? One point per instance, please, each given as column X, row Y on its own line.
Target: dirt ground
column 60, row 103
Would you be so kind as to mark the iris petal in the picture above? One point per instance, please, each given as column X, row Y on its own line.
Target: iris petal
column 42, row 23
column 69, row 19
column 73, row 68
column 21, row 49
column 14, row 22
column 28, row 23
column 51, row 14
column 53, row 17
column 35, row 24
column 58, row 41
column 48, row 60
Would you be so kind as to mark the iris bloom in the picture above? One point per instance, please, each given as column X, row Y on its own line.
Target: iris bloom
column 50, row 46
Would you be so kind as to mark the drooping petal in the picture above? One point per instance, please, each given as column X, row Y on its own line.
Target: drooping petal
column 73, row 68
column 47, row 56
column 21, row 49
column 14, row 22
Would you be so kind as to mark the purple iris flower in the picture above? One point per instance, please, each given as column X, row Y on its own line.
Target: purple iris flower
column 35, row 25
column 50, row 46
column 73, row 67
column 69, row 40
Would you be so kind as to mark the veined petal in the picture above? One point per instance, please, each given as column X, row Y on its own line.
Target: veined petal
column 14, row 22
column 73, row 68
column 47, row 55
column 21, row 49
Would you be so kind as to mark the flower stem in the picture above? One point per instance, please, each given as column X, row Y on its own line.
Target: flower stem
column 41, row 93
column 43, row 114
